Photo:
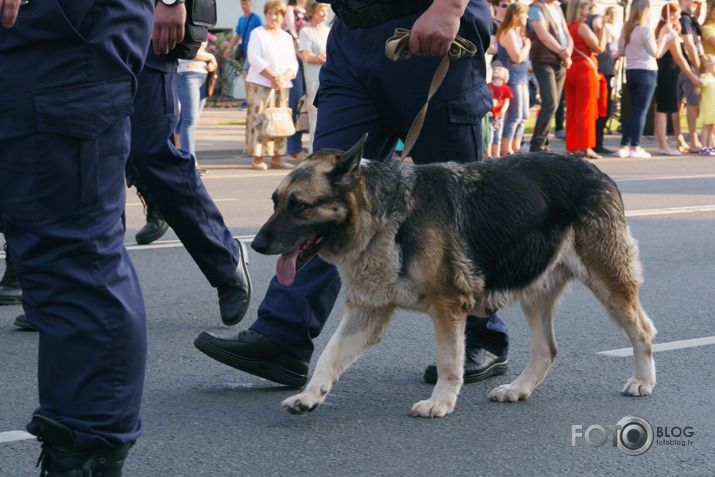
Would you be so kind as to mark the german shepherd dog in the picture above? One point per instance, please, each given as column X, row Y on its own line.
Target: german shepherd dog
column 453, row 239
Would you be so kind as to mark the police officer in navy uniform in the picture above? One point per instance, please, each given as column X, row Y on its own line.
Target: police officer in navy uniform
column 171, row 177
column 67, row 79
column 361, row 90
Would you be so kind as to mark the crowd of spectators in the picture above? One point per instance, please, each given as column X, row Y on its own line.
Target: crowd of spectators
column 553, row 54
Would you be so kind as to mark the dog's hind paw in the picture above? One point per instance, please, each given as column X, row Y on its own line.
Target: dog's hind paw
column 508, row 392
column 638, row 387
column 299, row 404
column 430, row 408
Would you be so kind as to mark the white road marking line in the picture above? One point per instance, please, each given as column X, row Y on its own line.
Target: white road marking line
column 708, row 340
column 671, row 210
column 12, row 436
column 665, row 178
column 177, row 243
column 133, row 204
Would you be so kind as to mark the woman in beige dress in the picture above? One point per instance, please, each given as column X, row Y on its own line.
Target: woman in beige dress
column 273, row 66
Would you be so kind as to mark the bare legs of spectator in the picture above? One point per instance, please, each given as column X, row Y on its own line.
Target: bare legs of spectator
column 692, row 116
column 661, row 123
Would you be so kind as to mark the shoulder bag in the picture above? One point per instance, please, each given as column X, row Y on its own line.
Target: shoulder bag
column 240, row 54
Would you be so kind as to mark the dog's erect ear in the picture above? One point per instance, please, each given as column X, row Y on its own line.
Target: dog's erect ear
column 349, row 162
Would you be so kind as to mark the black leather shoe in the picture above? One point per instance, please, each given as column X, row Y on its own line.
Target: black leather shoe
column 478, row 366
column 235, row 295
column 10, row 290
column 24, row 324
column 60, row 458
column 255, row 354
column 155, row 226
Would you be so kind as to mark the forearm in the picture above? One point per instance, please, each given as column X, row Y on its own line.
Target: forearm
column 692, row 51
column 455, row 7
column 233, row 42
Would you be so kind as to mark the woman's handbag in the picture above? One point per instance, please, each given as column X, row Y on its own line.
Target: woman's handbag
column 277, row 118
column 301, row 116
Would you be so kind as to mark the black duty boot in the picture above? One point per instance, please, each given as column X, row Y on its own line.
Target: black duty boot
column 10, row 291
column 155, row 226
column 24, row 324
column 235, row 295
column 60, row 458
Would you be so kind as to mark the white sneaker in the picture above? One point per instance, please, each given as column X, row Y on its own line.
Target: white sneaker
column 639, row 152
column 622, row 151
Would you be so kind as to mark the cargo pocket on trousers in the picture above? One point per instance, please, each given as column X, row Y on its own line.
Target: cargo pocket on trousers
column 466, row 111
column 81, row 145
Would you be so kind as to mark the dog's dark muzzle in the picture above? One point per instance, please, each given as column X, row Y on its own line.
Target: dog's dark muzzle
column 261, row 243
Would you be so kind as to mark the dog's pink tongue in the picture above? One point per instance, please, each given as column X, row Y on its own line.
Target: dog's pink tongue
column 285, row 267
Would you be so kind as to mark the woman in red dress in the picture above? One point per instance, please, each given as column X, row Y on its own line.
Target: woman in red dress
column 582, row 81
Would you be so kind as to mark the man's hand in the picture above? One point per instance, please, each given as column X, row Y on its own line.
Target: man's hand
column 9, row 10
column 435, row 30
column 168, row 27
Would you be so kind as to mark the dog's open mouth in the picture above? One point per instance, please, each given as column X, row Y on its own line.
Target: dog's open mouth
column 292, row 261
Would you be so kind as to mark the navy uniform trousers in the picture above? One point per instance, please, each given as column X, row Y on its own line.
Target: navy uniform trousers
column 67, row 77
column 362, row 91
column 171, row 176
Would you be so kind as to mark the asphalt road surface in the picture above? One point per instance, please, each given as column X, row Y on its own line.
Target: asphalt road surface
column 205, row 418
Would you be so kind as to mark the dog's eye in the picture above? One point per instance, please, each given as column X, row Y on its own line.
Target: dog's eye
column 296, row 206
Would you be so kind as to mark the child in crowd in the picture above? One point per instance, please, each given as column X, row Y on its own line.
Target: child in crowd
column 707, row 105
column 501, row 93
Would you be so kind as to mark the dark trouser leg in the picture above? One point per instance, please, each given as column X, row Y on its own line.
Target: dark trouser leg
column 601, row 122
column 170, row 176
column 551, row 82
column 295, row 142
column 490, row 334
column 81, row 290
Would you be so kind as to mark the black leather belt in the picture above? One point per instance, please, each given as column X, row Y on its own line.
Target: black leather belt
column 377, row 13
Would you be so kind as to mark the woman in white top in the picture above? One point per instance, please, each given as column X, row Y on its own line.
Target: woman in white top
column 273, row 66
column 638, row 45
column 313, row 39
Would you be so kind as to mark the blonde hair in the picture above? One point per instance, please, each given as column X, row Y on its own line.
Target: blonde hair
column 277, row 4
column 510, row 17
column 312, row 6
column 636, row 15
column 705, row 60
column 573, row 12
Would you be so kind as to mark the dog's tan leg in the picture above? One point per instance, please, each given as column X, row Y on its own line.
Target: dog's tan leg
column 449, row 334
column 614, row 275
column 540, row 311
column 643, row 380
column 358, row 329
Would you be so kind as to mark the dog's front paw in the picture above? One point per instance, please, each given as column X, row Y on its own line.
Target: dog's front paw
column 300, row 403
column 431, row 408
column 508, row 392
column 638, row 387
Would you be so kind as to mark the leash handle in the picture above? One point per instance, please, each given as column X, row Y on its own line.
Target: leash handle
column 397, row 48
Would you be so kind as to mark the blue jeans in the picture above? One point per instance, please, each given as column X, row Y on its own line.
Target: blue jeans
column 496, row 127
column 640, row 85
column 517, row 113
column 191, row 87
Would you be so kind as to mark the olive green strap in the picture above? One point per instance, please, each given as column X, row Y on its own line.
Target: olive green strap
column 398, row 48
